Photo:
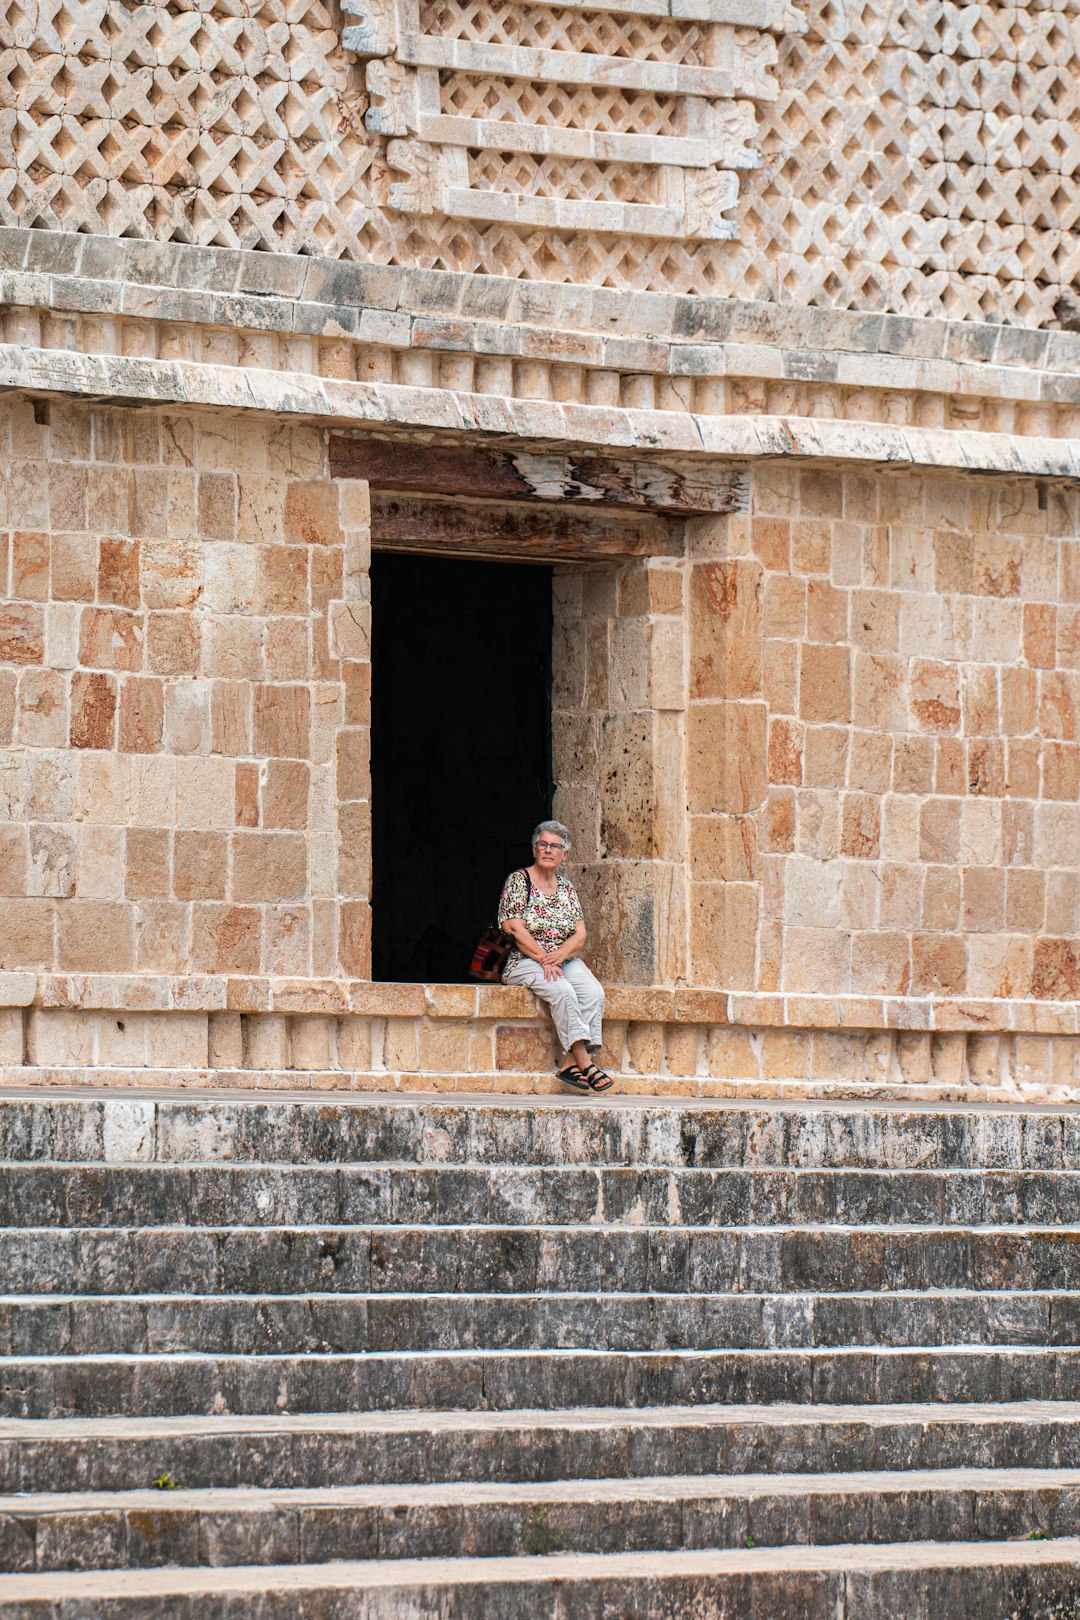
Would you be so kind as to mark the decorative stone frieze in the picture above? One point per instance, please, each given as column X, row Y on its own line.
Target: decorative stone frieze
column 630, row 121
column 502, row 341
column 918, row 159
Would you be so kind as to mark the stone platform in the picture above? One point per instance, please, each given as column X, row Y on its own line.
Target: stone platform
column 197, row 1032
column 408, row 1356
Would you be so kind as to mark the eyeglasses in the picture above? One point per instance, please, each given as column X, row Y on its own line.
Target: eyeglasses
column 551, row 849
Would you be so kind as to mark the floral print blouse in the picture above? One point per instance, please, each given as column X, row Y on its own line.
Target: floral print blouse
column 550, row 918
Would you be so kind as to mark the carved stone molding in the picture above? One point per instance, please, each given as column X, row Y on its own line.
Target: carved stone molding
column 631, row 118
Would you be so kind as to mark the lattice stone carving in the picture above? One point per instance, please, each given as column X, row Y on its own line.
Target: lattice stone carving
column 925, row 157
column 919, row 157
column 217, row 121
column 538, row 113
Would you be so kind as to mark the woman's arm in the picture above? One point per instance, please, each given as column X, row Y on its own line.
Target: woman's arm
column 567, row 949
column 522, row 938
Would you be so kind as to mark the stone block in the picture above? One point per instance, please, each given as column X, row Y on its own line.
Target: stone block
column 726, row 757
column 109, row 638
column 680, row 1048
column 266, row 1042
column 388, row 1000
column 502, row 1001
column 312, row 516
column 177, row 1040
column 785, row 1054
column 938, row 965
column 200, row 865
column 129, row 1132
column 353, row 1043
column 93, row 710
column 645, row 1047
column 269, row 866
column 525, row 1047
column 225, row 938
column 56, row 1039
column 948, row 1058
column 22, row 633
column 121, row 1040
column 723, row 847
column 912, row 1051
column 444, row 1045
column 987, row 1060
column 225, row 1041
column 481, row 1059
column 725, row 629
column 880, row 963
column 312, row 1043
column 11, row 1036
column 731, row 1054
column 825, row 683
column 42, row 709
column 282, row 721
column 401, row 1045
column 95, row 936
column 700, row 1006
column 450, row 1000
column 723, row 933
column 626, row 786
column 817, row 960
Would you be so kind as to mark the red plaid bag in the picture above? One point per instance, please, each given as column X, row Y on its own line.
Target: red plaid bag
column 492, row 949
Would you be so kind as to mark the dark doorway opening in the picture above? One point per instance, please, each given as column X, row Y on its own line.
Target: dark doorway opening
column 460, row 751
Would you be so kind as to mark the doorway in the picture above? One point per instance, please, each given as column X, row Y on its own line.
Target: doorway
column 461, row 751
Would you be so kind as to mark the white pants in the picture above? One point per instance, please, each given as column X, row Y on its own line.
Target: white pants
column 576, row 999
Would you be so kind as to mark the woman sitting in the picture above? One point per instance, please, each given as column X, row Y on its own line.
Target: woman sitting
column 542, row 914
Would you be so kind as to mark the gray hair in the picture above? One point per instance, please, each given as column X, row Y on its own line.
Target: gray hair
column 557, row 830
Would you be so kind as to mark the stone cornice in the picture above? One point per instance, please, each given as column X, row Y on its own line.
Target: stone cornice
column 126, row 380
column 331, row 285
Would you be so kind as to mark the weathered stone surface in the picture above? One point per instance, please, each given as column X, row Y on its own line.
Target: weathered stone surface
column 581, row 196
column 472, row 1331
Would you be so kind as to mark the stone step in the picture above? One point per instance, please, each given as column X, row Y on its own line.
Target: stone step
column 945, row 1580
column 66, row 1386
column 536, row 1131
column 501, row 1259
column 47, row 1194
column 143, row 1529
column 291, row 1450
column 139, row 1324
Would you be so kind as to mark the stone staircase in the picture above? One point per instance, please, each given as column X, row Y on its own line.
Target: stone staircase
column 396, row 1359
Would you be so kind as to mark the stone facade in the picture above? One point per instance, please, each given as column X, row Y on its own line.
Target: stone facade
column 750, row 319
column 921, row 159
column 184, row 713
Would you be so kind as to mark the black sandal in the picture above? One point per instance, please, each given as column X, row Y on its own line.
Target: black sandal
column 572, row 1076
column 597, row 1080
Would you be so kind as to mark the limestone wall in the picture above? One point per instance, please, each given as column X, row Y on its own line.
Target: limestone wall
column 831, row 750
column 183, row 752
column 919, row 158
column 618, row 697
column 882, row 738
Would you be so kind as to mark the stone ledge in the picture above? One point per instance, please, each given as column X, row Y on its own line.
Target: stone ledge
column 113, row 379
column 364, row 998
column 523, row 1083
column 568, row 307
column 744, row 358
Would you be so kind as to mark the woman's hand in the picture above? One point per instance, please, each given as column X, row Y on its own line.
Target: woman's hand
column 552, row 970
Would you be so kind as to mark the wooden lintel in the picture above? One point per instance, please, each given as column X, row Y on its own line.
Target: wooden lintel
column 419, row 523
column 520, row 474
